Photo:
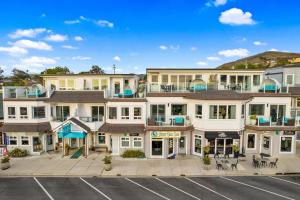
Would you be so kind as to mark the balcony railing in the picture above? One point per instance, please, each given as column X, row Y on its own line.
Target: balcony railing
column 24, row 92
column 169, row 121
column 261, row 121
column 92, row 119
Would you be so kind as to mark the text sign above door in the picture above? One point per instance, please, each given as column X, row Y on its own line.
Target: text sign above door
column 165, row 134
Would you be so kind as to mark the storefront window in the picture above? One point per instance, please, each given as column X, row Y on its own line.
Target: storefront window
column 13, row 140
column 101, row 138
column 24, row 140
column 125, row 142
column 197, row 146
column 178, row 109
column 211, row 146
column 286, row 144
column 137, row 142
column 251, row 141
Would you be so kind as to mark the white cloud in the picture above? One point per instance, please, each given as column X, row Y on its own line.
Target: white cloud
column 76, row 21
column 69, row 47
column 14, row 50
column 215, row 3
column 236, row 16
column 213, row 58
column 57, row 38
column 78, row 38
column 273, row 49
column 201, row 63
column 117, row 58
column 43, row 15
column 81, row 58
column 234, row 52
column 194, row 48
column 29, row 44
column 259, row 43
column 104, row 23
column 84, row 18
column 37, row 61
column 30, row 33
column 163, row 47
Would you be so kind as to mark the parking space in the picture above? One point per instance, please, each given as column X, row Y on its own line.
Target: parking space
column 151, row 188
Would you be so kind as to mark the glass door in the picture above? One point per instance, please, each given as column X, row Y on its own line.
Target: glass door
column 277, row 112
column 37, row 144
column 197, row 145
column 158, row 113
column 228, row 146
column 220, row 146
column 157, row 147
column 171, row 146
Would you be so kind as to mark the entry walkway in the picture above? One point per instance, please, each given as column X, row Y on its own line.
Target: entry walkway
column 55, row 165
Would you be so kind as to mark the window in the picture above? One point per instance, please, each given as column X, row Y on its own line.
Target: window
column 101, row 138
column 266, row 143
column 256, row 109
column 198, row 111
column 298, row 103
column 251, row 140
column 13, row 140
column 62, row 84
column 71, row 84
column 289, row 79
column 38, row 112
column 24, row 140
column 178, row 109
column 11, row 112
column 125, row 113
column 286, row 144
column 222, row 112
column 154, row 78
column 62, row 113
column 97, row 113
column 103, row 84
column 125, row 142
column 23, row 113
column 243, row 111
column 137, row 142
column 298, row 135
column 231, row 112
column 165, row 79
column 223, row 79
column 95, row 84
column 256, row 80
column 197, row 145
column 174, row 80
column 112, row 112
column 198, row 76
column 137, row 112
column 213, row 110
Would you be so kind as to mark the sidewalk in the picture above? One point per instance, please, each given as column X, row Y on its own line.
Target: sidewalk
column 55, row 165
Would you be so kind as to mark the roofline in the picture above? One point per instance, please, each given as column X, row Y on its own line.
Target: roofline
column 59, row 75
column 294, row 65
column 205, row 69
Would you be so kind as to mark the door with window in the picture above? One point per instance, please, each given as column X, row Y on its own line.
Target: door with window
column 157, row 148
column 277, row 113
column 49, row 142
column 197, row 145
column 158, row 113
column 182, row 145
column 170, row 146
column 266, row 145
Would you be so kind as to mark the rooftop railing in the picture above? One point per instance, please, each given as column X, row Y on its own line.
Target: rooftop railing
column 262, row 121
column 15, row 92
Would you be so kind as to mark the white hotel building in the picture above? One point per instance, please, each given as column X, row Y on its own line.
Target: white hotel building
column 174, row 111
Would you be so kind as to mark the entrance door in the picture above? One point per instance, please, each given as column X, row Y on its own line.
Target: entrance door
column 37, row 144
column 115, row 145
column 171, row 146
column 220, row 146
column 182, row 145
column 157, row 148
column 197, row 145
column 266, row 145
column 49, row 142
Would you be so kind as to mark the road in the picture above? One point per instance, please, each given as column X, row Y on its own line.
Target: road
column 152, row 188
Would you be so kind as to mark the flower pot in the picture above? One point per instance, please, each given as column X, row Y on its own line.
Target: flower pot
column 5, row 166
column 107, row 167
column 253, row 122
column 141, row 95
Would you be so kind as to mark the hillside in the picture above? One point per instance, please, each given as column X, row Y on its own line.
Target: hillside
column 262, row 60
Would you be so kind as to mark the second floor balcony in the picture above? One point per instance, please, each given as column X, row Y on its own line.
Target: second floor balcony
column 169, row 121
column 263, row 121
column 35, row 91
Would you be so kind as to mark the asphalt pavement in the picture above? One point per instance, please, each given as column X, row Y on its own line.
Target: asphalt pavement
column 151, row 188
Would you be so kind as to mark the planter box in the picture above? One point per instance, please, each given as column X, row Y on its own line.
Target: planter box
column 107, row 167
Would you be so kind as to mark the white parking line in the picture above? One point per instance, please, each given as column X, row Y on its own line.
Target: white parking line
column 41, row 186
column 162, row 196
column 217, row 193
column 176, row 188
column 267, row 191
column 95, row 189
column 285, row 180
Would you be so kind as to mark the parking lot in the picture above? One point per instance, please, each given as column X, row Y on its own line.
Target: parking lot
column 246, row 187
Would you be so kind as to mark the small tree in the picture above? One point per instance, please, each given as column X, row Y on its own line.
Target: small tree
column 57, row 70
column 96, row 70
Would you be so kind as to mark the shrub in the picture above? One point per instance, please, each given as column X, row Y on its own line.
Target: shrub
column 133, row 154
column 235, row 148
column 206, row 150
column 206, row 160
column 18, row 152
column 107, row 160
column 5, row 159
column 253, row 117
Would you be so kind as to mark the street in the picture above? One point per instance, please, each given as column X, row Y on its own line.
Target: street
column 178, row 188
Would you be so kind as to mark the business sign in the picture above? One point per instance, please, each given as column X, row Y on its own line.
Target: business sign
column 165, row 134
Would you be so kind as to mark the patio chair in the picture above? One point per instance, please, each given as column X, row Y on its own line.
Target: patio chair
column 288, row 121
column 128, row 93
column 219, row 165
column 255, row 162
column 234, row 165
column 179, row 121
column 273, row 163
column 262, row 121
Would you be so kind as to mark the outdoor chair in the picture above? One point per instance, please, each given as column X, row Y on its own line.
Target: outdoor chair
column 234, row 165
column 219, row 165
column 262, row 121
column 273, row 163
column 179, row 121
column 128, row 93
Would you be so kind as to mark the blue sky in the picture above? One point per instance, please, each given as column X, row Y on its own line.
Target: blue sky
column 136, row 34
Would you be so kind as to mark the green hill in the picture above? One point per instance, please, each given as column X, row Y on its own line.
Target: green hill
column 261, row 61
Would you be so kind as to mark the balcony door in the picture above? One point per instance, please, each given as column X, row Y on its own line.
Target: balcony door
column 62, row 113
column 158, row 112
column 277, row 112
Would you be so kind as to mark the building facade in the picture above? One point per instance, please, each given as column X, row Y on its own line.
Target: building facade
column 172, row 112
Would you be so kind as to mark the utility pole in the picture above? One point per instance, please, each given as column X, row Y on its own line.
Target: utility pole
column 114, row 68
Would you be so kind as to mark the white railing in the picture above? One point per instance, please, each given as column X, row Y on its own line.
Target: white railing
column 262, row 121
column 169, row 121
column 24, row 92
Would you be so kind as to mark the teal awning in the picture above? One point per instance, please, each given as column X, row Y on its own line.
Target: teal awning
column 66, row 132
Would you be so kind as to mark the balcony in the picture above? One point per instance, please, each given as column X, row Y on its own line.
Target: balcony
column 22, row 92
column 173, row 121
column 262, row 122
column 92, row 119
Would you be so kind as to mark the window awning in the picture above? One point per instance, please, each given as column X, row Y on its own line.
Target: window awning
column 79, row 135
column 221, row 134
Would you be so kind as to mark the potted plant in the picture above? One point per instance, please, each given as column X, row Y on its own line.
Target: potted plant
column 252, row 119
column 5, row 163
column 236, row 151
column 206, row 150
column 107, row 163
column 206, row 162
